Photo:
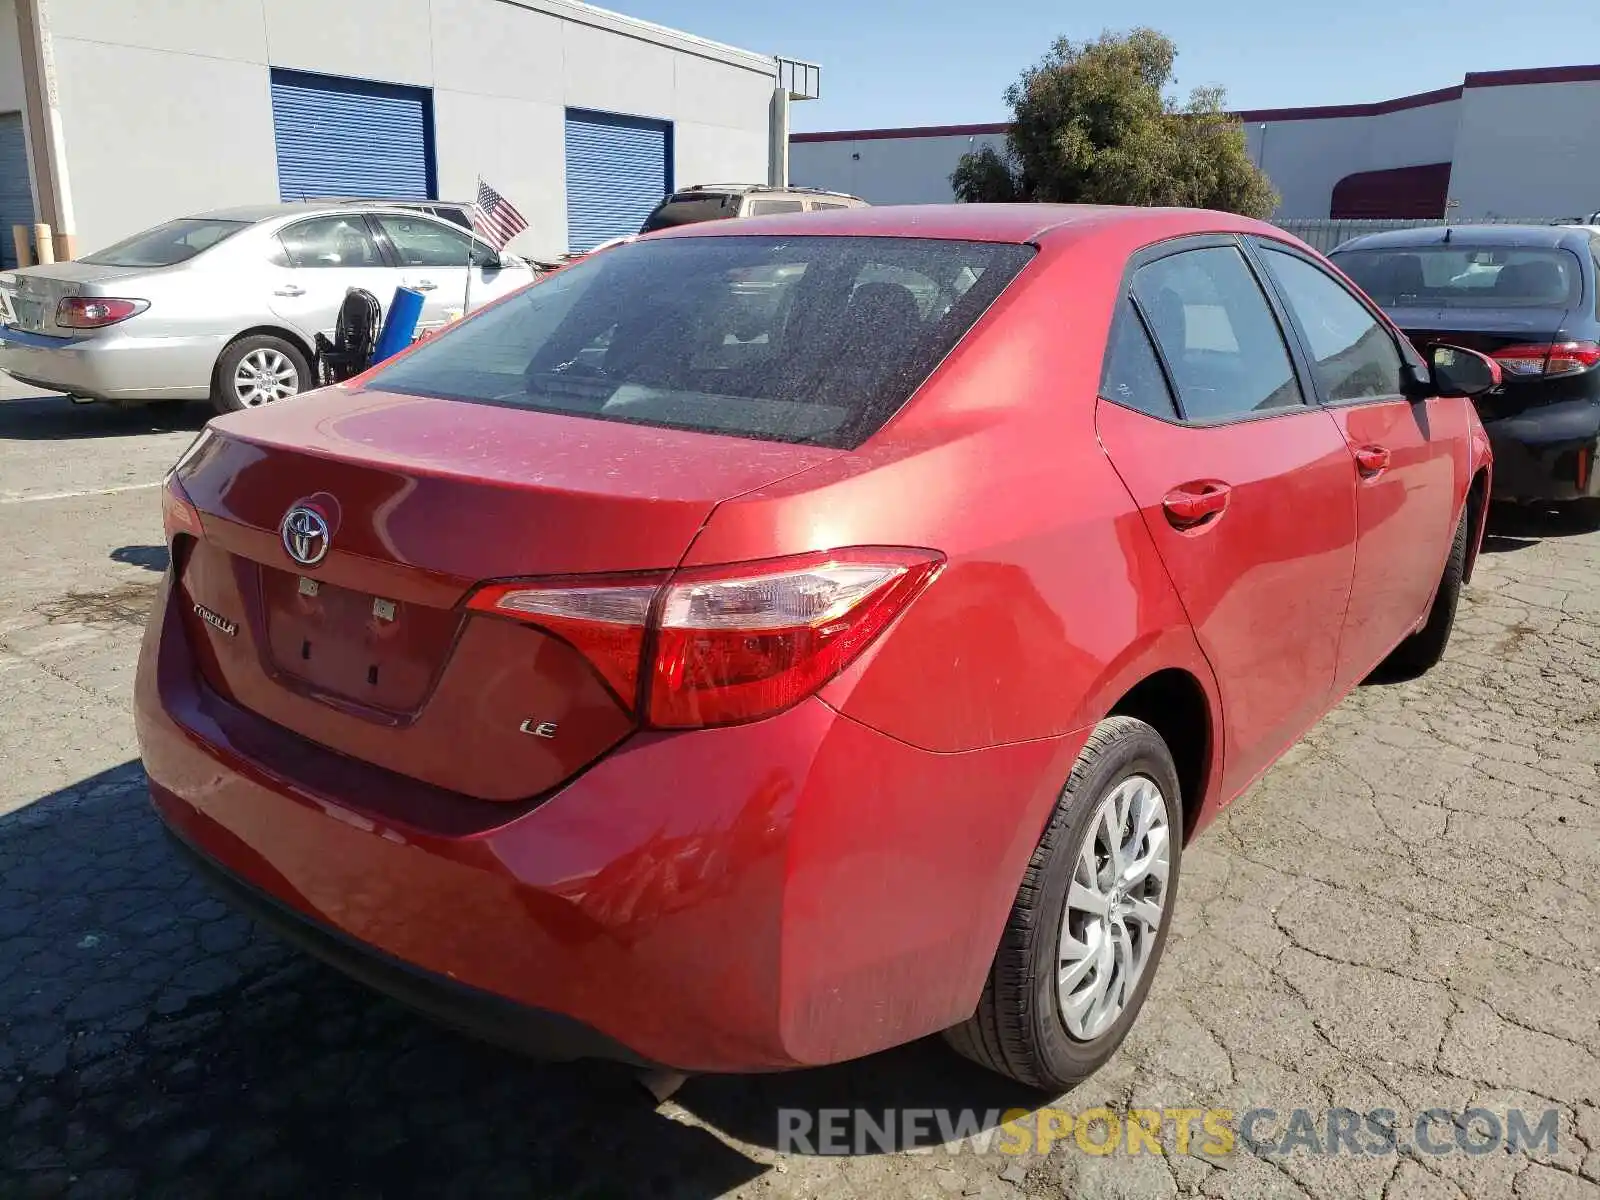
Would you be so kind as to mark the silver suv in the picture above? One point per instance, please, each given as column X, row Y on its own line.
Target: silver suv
column 718, row 202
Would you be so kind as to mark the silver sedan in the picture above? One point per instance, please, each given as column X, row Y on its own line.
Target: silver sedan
column 226, row 305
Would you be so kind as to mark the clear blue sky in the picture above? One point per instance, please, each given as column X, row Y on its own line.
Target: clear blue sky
column 940, row 62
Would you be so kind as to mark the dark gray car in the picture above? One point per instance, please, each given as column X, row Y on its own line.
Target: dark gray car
column 1529, row 296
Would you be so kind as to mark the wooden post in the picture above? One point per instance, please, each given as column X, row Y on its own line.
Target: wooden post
column 19, row 239
column 45, row 245
column 66, row 247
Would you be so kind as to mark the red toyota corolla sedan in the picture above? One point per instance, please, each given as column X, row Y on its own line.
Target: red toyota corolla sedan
column 772, row 641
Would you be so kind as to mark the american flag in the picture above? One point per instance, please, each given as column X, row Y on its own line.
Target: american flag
column 495, row 218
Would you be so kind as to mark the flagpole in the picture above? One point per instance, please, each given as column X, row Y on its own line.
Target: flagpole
column 472, row 249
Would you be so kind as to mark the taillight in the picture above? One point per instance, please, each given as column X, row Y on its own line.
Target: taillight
column 605, row 620
column 1548, row 358
column 720, row 645
column 96, row 312
column 178, row 513
column 743, row 642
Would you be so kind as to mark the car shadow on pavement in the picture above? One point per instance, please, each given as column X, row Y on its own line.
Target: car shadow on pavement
column 153, row 1043
column 910, row 1098
column 1518, row 526
column 151, row 558
column 54, row 418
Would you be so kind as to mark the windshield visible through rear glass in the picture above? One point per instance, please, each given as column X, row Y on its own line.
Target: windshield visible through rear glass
column 166, row 245
column 799, row 339
column 1444, row 276
column 686, row 210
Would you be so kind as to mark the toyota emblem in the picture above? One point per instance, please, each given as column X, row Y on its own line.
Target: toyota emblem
column 305, row 535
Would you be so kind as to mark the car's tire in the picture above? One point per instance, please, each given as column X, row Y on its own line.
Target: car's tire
column 256, row 370
column 1586, row 512
column 1021, row 1028
column 1421, row 652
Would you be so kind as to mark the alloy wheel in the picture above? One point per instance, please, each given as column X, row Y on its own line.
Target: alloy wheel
column 1115, row 907
column 264, row 376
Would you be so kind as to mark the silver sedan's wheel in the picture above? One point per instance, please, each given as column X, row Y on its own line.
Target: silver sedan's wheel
column 259, row 369
column 1116, row 905
column 263, row 376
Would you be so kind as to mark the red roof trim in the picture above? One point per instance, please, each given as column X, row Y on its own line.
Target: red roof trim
column 1325, row 112
column 915, row 131
column 1332, row 112
column 1583, row 74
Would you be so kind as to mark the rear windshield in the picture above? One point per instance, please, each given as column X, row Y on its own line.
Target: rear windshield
column 166, row 245
column 689, row 208
column 817, row 340
column 1445, row 276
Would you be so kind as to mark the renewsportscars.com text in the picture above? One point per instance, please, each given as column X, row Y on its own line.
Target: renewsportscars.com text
column 1266, row 1132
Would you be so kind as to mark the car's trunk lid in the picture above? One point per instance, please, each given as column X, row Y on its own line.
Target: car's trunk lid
column 1488, row 331
column 34, row 292
column 370, row 651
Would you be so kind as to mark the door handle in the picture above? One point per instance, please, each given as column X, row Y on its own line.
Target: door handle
column 424, row 285
column 291, row 290
column 1372, row 461
column 1194, row 504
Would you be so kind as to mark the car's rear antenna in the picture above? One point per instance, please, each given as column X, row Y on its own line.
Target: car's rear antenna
column 1447, row 232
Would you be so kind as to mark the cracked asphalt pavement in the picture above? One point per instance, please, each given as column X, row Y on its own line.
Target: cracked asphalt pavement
column 1404, row 914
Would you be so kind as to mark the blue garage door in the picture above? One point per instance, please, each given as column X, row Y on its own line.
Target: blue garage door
column 618, row 168
column 16, row 201
column 349, row 137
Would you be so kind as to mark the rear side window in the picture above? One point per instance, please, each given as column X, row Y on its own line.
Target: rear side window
column 689, row 207
column 1594, row 254
column 766, row 208
column 331, row 242
column 1133, row 375
column 1217, row 333
column 800, row 339
column 1353, row 356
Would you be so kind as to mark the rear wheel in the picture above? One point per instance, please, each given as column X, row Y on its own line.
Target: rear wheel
column 1421, row 652
column 256, row 370
column 1587, row 512
column 1090, row 921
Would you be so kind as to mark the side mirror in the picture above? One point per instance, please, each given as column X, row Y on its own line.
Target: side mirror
column 1460, row 372
column 489, row 260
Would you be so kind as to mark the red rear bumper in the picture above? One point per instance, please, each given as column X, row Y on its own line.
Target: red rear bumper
column 795, row 891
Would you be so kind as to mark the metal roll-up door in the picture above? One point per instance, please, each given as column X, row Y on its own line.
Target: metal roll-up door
column 16, row 200
column 349, row 137
column 618, row 168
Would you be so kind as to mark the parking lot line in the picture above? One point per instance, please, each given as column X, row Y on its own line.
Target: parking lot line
column 110, row 491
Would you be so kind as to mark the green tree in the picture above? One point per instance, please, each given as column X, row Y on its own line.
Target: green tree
column 1092, row 124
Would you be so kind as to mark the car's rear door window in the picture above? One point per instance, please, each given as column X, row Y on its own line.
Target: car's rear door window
column 1353, row 357
column 803, row 339
column 342, row 241
column 1133, row 377
column 1217, row 333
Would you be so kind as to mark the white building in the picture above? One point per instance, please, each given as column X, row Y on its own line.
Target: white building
column 1501, row 143
column 119, row 114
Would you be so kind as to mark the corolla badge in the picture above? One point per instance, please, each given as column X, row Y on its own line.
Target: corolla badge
column 305, row 535
column 216, row 620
